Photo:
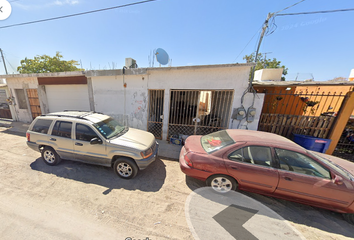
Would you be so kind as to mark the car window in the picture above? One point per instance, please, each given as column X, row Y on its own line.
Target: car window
column 62, row 129
column 216, row 141
column 42, row 125
column 258, row 155
column 110, row 128
column 300, row 163
column 84, row 133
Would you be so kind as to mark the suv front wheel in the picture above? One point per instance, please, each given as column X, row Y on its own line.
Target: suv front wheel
column 125, row 168
column 50, row 156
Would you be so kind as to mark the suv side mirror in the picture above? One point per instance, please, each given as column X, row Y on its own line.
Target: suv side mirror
column 338, row 180
column 96, row 141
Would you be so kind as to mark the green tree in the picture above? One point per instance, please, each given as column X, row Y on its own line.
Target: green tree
column 263, row 62
column 47, row 64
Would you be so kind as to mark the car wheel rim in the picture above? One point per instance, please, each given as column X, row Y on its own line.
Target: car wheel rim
column 221, row 184
column 124, row 169
column 49, row 156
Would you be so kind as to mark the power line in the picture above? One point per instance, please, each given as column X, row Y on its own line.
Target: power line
column 13, row 69
column 247, row 44
column 316, row 12
column 77, row 14
column 289, row 7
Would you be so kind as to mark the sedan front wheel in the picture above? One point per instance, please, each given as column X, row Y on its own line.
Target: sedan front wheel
column 222, row 183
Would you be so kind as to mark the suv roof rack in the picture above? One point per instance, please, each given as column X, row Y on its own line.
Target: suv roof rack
column 81, row 116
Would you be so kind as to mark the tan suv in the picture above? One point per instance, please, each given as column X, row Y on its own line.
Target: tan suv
column 94, row 138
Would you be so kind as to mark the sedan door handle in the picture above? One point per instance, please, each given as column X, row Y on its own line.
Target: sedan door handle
column 288, row 179
column 79, row 144
column 234, row 168
column 52, row 139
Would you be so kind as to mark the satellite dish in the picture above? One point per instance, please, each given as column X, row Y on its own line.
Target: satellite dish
column 162, row 56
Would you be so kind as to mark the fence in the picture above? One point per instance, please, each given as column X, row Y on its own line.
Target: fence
column 199, row 111
column 301, row 112
column 345, row 146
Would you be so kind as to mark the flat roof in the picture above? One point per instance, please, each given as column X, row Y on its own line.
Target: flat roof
column 301, row 83
column 130, row 71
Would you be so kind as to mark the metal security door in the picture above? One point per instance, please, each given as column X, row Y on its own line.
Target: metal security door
column 155, row 111
column 34, row 102
column 4, row 105
column 199, row 111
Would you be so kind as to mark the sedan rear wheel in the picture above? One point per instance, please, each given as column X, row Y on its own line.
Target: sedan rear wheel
column 125, row 168
column 222, row 183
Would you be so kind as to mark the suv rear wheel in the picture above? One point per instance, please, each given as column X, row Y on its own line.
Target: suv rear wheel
column 50, row 156
column 125, row 168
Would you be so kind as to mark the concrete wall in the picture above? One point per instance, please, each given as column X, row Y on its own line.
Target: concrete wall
column 129, row 105
column 126, row 104
column 23, row 115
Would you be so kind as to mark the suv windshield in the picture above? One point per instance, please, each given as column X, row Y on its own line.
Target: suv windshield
column 216, row 141
column 110, row 128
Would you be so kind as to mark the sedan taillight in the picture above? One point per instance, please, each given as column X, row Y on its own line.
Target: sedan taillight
column 28, row 136
column 188, row 161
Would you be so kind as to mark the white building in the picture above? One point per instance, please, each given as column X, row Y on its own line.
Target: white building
column 166, row 101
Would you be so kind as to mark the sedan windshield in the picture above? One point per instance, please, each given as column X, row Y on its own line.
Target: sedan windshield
column 216, row 141
column 339, row 169
column 110, row 128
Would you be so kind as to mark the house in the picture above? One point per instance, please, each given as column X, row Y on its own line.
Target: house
column 166, row 101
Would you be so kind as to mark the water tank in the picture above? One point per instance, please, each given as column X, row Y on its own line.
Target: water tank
column 130, row 63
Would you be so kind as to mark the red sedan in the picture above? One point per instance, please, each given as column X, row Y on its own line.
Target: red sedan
column 272, row 165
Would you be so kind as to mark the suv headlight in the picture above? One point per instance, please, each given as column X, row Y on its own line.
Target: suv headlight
column 147, row 153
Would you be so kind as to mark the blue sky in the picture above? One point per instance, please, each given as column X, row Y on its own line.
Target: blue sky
column 193, row 32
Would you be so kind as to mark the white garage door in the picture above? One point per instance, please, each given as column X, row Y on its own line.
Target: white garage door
column 67, row 97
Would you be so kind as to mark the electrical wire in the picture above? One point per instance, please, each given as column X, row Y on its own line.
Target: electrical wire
column 316, row 12
column 247, row 44
column 77, row 14
column 13, row 69
column 289, row 7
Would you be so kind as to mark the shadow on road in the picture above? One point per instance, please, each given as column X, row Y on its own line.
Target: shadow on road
column 302, row 214
column 321, row 219
column 149, row 180
column 9, row 131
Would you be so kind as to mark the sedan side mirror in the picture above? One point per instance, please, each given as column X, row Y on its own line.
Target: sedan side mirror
column 96, row 141
column 338, row 180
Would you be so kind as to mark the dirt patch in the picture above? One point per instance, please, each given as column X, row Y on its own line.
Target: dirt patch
column 80, row 201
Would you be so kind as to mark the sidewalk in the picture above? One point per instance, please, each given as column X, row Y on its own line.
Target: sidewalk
column 13, row 126
column 166, row 149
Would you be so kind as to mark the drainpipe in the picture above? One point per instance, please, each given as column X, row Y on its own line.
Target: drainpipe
column 125, row 96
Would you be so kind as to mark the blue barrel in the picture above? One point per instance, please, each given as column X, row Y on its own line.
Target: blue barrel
column 312, row 143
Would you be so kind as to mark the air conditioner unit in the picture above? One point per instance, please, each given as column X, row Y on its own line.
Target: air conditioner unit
column 130, row 63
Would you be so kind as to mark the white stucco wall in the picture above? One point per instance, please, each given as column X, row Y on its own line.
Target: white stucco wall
column 127, row 105
column 130, row 105
column 23, row 115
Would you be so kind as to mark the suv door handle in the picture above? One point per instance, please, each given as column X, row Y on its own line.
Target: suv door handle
column 288, row 179
column 52, row 139
column 79, row 144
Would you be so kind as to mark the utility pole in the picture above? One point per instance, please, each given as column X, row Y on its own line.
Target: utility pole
column 2, row 56
column 265, row 26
